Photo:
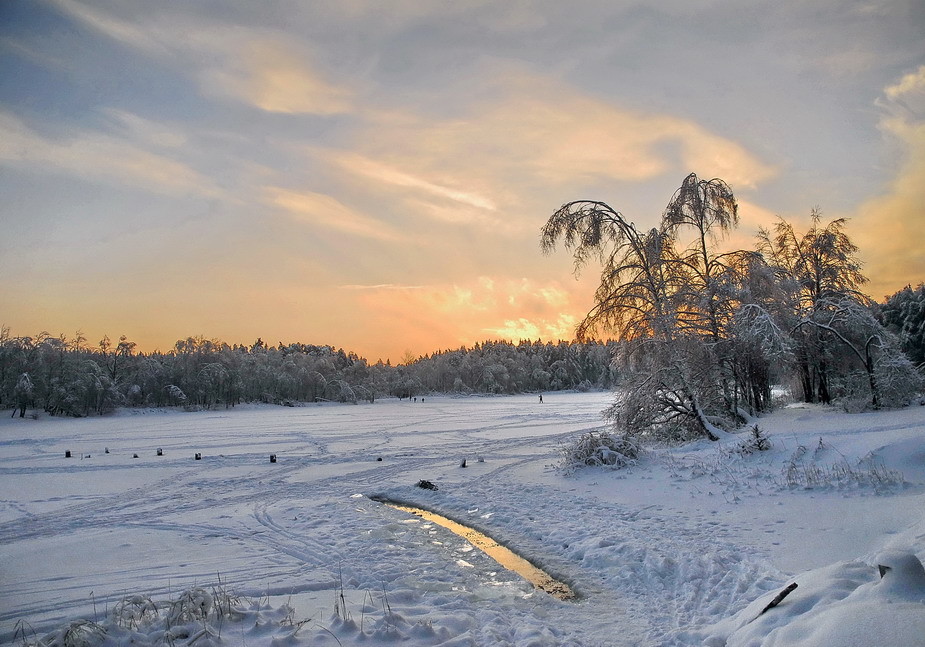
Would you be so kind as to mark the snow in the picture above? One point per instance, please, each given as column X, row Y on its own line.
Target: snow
column 684, row 548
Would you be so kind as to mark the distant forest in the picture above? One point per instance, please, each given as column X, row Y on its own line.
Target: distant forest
column 69, row 377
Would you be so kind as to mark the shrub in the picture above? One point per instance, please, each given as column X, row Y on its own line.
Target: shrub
column 192, row 605
column 80, row 633
column 756, row 441
column 599, row 449
column 134, row 611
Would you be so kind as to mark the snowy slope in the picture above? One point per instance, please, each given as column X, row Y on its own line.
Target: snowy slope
column 684, row 548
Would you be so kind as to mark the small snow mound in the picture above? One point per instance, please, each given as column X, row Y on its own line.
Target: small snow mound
column 843, row 604
column 903, row 575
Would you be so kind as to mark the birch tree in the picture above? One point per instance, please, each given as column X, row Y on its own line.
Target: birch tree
column 664, row 304
column 815, row 269
column 838, row 343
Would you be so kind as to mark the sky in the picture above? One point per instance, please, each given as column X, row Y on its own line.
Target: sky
column 374, row 175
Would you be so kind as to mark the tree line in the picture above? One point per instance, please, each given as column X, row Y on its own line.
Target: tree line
column 706, row 333
column 68, row 376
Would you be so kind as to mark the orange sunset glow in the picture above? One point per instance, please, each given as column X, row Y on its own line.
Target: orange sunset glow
column 374, row 175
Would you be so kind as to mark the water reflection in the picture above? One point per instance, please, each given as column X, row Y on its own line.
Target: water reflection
column 504, row 556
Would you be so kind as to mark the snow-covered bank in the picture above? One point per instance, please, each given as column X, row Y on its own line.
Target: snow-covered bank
column 680, row 549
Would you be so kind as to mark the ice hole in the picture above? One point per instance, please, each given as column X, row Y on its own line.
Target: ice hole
column 501, row 554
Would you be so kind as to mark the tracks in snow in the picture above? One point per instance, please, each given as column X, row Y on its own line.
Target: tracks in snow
column 284, row 519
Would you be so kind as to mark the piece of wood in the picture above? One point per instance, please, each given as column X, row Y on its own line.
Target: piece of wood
column 779, row 598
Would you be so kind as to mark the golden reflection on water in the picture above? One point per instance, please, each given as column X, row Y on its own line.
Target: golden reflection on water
column 504, row 556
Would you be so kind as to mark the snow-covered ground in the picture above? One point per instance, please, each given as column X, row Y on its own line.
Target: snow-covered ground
column 684, row 548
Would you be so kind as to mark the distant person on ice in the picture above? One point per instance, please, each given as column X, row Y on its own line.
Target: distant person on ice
column 541, row 398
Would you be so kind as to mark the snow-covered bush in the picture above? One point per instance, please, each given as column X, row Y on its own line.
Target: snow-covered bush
column 134, row 611
column 897, row 381
column 192, row 605
column 593, row 449
column 855, row 395
column 80, row 633
column 648, row 410
column 175, row 393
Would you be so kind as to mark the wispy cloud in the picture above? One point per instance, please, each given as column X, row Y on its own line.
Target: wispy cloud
column 414, row 147
column 262, row 68
column 98, row 156
column 530, row 135
column 503, row 159
column 146, row 131
column 124, row 31
column 326, row 212
column 391, row 175
column 272, row 75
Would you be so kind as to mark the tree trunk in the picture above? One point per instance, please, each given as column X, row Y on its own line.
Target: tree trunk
column 806, row 381
column 824, row 396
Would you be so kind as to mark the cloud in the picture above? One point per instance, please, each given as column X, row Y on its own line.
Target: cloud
column 889, row 226
column 390, row 175
column 914, row 82
column 577, row 137
column 504, row 157
column 272, row 75
column 904, row 104
column 121, row 30
column 848, row 62
column 263, row 68
column 438, row 316
column 34, row 53
column 517, row 329
column 409, row 190
column 98, row 156
column 563, row 135
column 459, row 166
column 324, row 211
column 498, row 158
column 146, row 131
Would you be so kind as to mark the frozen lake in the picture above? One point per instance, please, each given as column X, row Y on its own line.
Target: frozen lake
column 111, row 524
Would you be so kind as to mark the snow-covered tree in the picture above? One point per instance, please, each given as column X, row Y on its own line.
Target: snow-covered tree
column 868, row 349
column 176, row 394
column 670, row 306
column 340, row 391
column 22, row 394
column 903, row 314
column 815, row 270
